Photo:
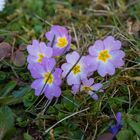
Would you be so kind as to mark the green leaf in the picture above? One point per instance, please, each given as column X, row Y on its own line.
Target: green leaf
column 73, row 47
column 8, row 88
column 125, row 134
column 135, row 126
column 35, row 6
column 9, row 134
column 16, row 97
column 121, row 4
column 37, row 28
column 6, row 121
column 27, row 136
column 9, row 100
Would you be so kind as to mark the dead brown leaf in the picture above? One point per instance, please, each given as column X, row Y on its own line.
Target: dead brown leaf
column 106, row 136
column 5, row 50
column 133, row 26
column 19, row 58
column 22, row 47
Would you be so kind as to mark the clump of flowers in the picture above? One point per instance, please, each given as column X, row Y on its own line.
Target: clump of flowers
column 104, row 56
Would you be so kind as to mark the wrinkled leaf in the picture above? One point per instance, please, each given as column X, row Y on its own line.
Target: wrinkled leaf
column 21, row 91
column 6, row 121
column 28, row 99
column 27, row 136
column 9, row 100
column 22, row 122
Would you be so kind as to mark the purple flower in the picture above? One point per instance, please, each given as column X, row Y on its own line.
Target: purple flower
column 116, row 128
column 89, row 87
column 78, row 72
column 59, row 38
column 104, row 56
column 46, row 80
column 37, row 51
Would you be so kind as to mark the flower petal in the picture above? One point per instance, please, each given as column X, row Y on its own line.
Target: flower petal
column 96, row 48
column 59, row 30
column 47, row 51
column 37, row 70
column 31, row 59
column 97, row 86
column 66, row 68
column 91, row 63
column 52, row 91
column 111, row 44
column 93, row 95
column 57, row 91
column 119, row 117
column 38, row 86
column 71, row 79
column 48, row 64
column 88, row 82
column 58, row 51
column 72, row 57
column 48, row 93
column 106, row 68
column 57, row 76
column 75, row 88
column 34, row 48
column 116, row 59
column 35, row 43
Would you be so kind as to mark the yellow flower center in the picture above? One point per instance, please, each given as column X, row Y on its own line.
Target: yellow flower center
column 62, row 42
column 76, row 69
column 104, row 56
column 48, row 77
column 40, row 57
column 86, row 88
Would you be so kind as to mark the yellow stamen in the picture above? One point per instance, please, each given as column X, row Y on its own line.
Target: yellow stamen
column 40, row 57
column 86, row 88
column 104, row 56
column 76, row 69
column 62, row 42
column 48, row 77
